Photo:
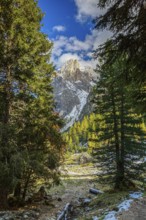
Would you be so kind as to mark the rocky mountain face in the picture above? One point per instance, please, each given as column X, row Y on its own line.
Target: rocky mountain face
column 72, row 87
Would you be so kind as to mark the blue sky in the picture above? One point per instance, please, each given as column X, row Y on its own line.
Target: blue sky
column 63, row 13
column 68, row 23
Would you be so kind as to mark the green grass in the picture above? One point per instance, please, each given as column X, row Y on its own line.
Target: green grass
column 108, row 201
column 103, row 202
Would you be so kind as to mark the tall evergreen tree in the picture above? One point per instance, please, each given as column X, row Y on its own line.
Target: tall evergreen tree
column 29, row 139
column 120, row 134
column 126, row 19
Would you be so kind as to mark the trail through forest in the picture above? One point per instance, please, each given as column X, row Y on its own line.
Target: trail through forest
column 74, row 189
column 77, row 180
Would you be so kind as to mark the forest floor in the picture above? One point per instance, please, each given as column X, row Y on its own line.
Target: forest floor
column 74, row 189
column 137, row 211
column 75, row 184
column 79, row 175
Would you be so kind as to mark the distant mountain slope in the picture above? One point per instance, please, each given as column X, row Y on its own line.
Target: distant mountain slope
column 72, row 87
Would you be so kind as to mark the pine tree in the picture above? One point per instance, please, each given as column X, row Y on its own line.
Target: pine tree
column 41, row 135
column 126, row 19
column 29, row 139
column 120, row 135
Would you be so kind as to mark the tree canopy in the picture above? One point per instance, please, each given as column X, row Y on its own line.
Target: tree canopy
column 121, row 150
column 126, row 19
column 30, row 141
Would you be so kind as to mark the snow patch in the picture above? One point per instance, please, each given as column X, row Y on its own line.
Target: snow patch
column 76, row 111
column 83, row 99
column 136, row 195
column 110, row 216
column 78, row 81
column 70, row 86
column 72, row 113
column 124, row 206
column 71, row 118
column 92, row 83
column 95, row 218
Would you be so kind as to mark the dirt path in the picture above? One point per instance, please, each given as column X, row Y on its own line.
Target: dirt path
column 74, row 187
column 137, row 211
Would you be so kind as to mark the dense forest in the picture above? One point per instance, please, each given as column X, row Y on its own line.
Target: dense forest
column 32, row 147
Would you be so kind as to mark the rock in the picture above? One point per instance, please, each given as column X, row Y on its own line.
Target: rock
column 87, row 209
column 2, row 214
column 37, row 213
column 25, row 216
column 116, row 209
column 9, row 218
column 20, row 215
column 86, row 201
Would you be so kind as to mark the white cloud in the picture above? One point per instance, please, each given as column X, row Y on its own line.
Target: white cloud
column 59, row 28
column 66, row 48
column 87, row 9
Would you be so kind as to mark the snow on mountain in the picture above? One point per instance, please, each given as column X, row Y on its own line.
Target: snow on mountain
column 72, row 88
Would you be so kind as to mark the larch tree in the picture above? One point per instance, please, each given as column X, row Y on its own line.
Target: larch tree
column 30, row 142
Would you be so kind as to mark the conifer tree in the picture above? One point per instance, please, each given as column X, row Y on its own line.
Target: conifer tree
column 81, row 133
column 126, row 19
column 120, row 135
column 29, row 139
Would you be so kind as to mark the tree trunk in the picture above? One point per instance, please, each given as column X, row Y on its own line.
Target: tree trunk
column 26, row 185
column 6, row 118
column 122, row 136
column 117, row 146
column 17, row 191
column 120, row 165
column 3, row 198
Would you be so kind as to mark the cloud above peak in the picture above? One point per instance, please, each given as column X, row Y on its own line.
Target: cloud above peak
column 59, row 28
column 72, row 47
column 66, row 48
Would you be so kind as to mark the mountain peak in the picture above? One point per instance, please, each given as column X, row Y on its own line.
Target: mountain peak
column 70, row 69
column 71, row 65
column 72, row 88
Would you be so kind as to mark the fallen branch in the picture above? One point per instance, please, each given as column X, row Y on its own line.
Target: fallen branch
column 95, row 191
column 65, row 212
